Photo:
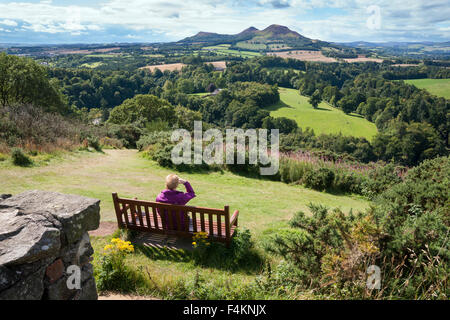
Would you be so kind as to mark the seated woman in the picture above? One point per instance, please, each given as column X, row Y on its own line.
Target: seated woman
column 172, row 196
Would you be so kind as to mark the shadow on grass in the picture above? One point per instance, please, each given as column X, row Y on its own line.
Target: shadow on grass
column 217, row 256
column 355, row 115
column 163, row 253
column 322, row 109
column 280, row 104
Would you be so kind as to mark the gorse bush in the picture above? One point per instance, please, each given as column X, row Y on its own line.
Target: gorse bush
column 405, row 233
column 348, row 182
column 19, row 158
column 321, row 179
column 380, row 178
column 94, row 143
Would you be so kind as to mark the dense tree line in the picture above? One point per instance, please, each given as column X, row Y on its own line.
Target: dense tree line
column 413, row 125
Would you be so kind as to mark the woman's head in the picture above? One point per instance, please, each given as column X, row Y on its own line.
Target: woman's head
column 172, row 181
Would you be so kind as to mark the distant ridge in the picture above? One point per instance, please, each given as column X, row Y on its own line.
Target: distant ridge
column 273, row 31
column 274, row 36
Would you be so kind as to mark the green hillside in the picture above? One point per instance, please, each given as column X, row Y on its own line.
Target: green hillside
column 325, row 119
column 438, row 87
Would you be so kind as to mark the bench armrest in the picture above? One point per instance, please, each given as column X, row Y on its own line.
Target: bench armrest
column 234, row 218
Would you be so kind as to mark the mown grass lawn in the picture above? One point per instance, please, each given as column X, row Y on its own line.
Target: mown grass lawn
column 438, row 87
column 325, row 119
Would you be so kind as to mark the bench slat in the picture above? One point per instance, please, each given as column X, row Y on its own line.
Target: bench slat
column 219, row 225
column 186, row 221
column 202, row 226
column 139, row 213
column 194, row 221
column 147, row 216
column 211, row 224
column 133, row 213
column 155, row 219
column 169, row 217
column 125, row 213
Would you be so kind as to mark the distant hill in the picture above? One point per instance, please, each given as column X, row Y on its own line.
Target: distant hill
column 270, row 35
column 418, row 50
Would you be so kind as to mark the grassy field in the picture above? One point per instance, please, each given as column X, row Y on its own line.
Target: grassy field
column 251, row 46
column 325, row 119
column 438, row 87
column 92, row 65
column 224, row 50
column 264, row 207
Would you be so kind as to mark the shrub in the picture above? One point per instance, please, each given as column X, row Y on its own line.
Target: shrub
column 93, row 142
column 348, row 182
column 381, row 178
column 19, row 158
column 111, row 143
column 405, row 234
column 126, row 134
column 320, row 179
column 3, row 157
column 152, row 138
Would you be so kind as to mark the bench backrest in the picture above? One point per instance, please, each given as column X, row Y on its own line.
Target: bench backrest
column 148, row 216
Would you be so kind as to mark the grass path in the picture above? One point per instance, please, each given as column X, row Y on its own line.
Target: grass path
column 262, row 204
column 325, row 119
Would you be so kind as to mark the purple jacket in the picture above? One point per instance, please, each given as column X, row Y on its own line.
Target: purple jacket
column 175, row 197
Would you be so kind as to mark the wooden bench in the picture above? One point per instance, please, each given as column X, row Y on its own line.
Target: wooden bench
column 145, row 216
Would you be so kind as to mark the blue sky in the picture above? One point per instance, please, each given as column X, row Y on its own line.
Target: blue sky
column 104, row 21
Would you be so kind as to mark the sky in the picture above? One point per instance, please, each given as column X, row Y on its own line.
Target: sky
column 108, row 21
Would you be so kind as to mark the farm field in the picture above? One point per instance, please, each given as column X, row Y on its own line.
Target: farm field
column 438, row 87
column 219, row 65
column 223, row 50
column 325, row 119
column 164, row 67
column 251, row 46
column 92, row 65
column 363, row 58
column 304, row 55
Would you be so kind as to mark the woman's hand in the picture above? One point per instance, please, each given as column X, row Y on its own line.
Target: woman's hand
column 182, row 181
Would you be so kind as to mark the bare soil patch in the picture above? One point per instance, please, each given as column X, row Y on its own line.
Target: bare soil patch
column 120, row 296
column 164, row 67
column 105, row 229
column 218, row 65
column 363, row 58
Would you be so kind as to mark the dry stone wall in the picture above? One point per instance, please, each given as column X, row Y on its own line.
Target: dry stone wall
column 45, row 250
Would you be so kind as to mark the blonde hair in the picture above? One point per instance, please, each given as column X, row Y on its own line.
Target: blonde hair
column 172, row 181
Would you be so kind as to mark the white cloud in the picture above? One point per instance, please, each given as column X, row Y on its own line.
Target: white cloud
column 10, row 23
column 344, row 20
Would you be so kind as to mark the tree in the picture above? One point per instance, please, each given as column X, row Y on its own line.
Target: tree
column 23, row 81
column 315, row 99
column 143, row 106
